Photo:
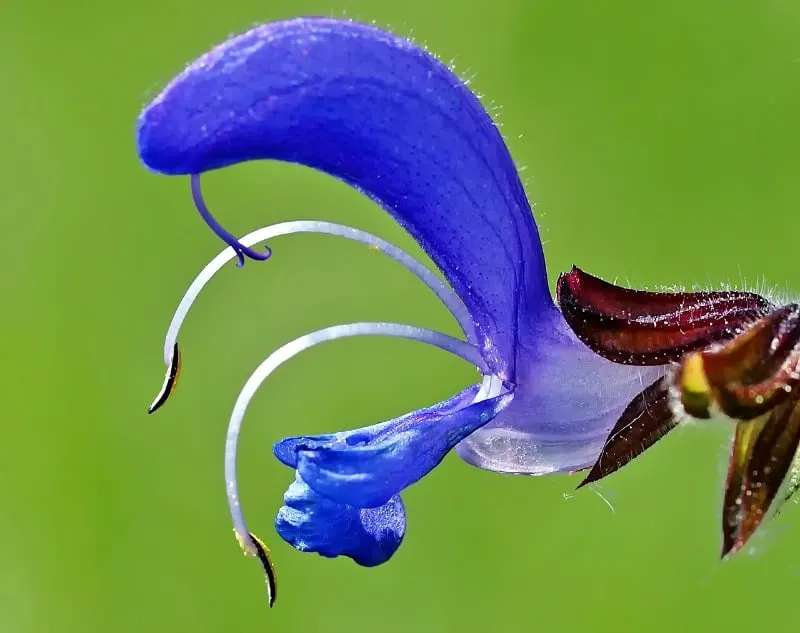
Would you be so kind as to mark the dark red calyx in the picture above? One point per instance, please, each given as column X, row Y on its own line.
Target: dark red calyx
column 747, row 376
column 762, row 453
column 636, row 327
column 645, row 420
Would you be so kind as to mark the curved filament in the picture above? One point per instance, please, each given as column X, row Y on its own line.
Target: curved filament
column 230, row 240
column 250, row 544
column 440, row 289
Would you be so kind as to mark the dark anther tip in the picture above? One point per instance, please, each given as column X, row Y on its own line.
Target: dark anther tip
column 170, row 381
column 262, row 553
column 157, row 404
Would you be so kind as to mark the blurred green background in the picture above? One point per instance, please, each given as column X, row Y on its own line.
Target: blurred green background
column 661, row 141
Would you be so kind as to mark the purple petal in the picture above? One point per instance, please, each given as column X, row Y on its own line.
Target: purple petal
column 384, row 116
column 312, row 523
column 366, row 467
column 286, row 450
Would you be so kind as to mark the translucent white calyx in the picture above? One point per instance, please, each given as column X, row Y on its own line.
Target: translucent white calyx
column 445, row 294
column 460, row 348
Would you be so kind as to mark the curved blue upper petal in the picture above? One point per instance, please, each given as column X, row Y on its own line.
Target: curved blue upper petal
column 312, row 523
column 389, row 119
column 368, row 466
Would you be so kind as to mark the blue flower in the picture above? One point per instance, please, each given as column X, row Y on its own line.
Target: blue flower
column 386, row 117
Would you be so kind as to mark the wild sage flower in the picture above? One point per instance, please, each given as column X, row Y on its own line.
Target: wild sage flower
column 386, row 117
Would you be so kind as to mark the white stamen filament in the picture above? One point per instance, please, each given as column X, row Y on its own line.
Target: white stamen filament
column 460, row 348
column 491, row 387
column 445, row 294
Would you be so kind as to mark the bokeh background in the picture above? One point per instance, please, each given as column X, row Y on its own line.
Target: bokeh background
column 661, row 142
